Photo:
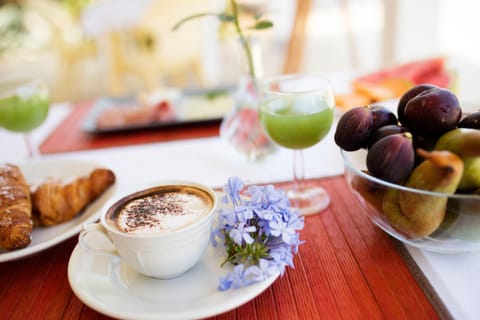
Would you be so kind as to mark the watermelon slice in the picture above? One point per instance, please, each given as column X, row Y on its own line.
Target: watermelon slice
column 394, row 82
column 424, row 71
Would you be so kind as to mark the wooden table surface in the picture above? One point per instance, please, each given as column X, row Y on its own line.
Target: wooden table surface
column 347, row 269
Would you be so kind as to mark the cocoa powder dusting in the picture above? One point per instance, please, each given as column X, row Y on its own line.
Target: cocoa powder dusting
column 145, row 212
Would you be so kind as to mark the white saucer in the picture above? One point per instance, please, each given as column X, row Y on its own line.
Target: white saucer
column 110, row 287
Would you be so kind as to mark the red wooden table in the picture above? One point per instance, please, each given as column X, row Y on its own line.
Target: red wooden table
column 347, row 269
column 69, row 136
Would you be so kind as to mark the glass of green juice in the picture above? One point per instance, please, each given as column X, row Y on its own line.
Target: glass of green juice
column 296, row 112
column 24, row 104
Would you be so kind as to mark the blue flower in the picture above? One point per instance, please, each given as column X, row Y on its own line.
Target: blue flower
column 265, row 214
column 296, row 221
column 260, row 233
column 242, row 233
column 281, row 229
column 264, row 270
column 283, row 257
column 244, row 213
column 232, row 190
column 234, row 279
column 216, row 233
column 227, row 217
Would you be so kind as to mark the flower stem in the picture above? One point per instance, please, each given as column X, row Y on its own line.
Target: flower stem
column 245, row 43
column 194, row 16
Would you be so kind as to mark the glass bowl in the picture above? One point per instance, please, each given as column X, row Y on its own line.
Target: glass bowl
column 459, row 230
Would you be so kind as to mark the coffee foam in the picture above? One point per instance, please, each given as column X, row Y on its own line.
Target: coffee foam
column 165, row 211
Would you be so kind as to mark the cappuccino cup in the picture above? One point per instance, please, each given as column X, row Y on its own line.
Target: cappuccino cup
column 161, row 231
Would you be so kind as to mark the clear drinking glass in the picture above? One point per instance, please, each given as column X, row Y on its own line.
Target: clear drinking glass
column 296, row 111
column 24, row 104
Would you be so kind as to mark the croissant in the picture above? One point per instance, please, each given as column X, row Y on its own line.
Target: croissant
column 55, row 202
column 15, row 209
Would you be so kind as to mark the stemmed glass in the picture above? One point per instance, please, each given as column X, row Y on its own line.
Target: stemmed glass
column 296, row 111
column 24, row 104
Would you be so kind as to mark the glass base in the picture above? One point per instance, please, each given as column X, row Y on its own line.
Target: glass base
column 310, row 200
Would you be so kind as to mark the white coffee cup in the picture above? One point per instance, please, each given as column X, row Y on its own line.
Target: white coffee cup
column 172, row 247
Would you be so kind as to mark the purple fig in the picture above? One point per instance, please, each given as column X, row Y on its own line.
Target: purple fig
column 386, row 131
column 392, row 158
column 402, row 103
column 432, row 112
column 470, row 121
column 381, row 116
column 354, row 129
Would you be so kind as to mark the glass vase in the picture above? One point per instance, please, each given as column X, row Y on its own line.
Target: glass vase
column 241, row 127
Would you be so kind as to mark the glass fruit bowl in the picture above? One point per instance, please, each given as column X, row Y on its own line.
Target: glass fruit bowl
column 457, row 215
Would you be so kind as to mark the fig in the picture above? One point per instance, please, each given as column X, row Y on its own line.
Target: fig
column 392, row 158
column 471, row 121
column 432, row 112
column 354, row 129
column 381, row 116
column 386, row 131
column 409, row 95
column 425, row 143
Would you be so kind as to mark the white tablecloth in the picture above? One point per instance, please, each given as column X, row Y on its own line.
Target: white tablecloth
column 455, row 277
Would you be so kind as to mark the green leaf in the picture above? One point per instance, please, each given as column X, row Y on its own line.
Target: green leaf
column 263, row 24
column 258, row 15
column 211, row 95
column 225, row 17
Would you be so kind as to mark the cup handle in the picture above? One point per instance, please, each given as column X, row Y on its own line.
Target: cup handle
column 98, row 228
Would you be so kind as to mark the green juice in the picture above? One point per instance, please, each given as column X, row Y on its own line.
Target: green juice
column 22, row 112
column 296, row 123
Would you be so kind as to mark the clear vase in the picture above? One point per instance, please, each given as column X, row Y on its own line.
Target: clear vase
column 241, row 127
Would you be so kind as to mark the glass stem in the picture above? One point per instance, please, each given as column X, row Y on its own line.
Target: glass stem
column 32, row 150
column 298, row 171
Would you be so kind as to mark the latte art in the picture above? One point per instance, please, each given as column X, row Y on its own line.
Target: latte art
column 168, row 209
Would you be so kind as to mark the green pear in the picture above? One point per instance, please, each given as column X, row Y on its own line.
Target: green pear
column 471, row 174
column 465, row 143
column 416, row 214
column 396, row 218
column 461, row 141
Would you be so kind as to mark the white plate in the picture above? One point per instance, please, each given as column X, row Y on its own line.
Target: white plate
column 108, row 286
column 46, row 237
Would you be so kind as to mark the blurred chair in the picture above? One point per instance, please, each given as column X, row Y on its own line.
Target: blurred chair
column 296, row 43
column 71, row 50
column 127, row 56
column 390, row 29
column 121, row 51
column 294, row 56
column 178, row 54
column 136, row 40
